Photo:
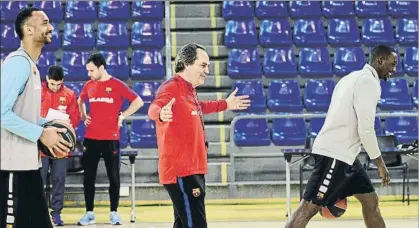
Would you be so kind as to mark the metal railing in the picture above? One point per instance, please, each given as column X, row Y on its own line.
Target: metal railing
column 232, row 169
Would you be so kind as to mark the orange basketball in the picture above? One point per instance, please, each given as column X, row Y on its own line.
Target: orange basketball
column 335, row 211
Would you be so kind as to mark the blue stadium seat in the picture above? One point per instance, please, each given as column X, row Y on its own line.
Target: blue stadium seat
column 244, row 63
column 143, row 134
column 74, row 65
column 54, row 9
column 125, row 105
column 284, row 96
column 395, row 95
column 56, row 39
column 334, row 9
column 315, row 62
column 377, row 31
column 365, row 9
column 302, row 9
column 117, row 63
column 238, row 10
column 279, row 63
column 275, row 33
column 309, row 33
column 78, row 36
column 289, row 132
column 317, row 95
column 80, row 11
column 240, row 34
column 147, row 10
column 404, row 128
column 9, row 9
column 271, row 9
column 415, row 93
column 316, row 125
column 147, row 64
column 80, row 130
column 9, row 39
column 147, row 34
column 75, row 86
column 253, row 88
column 377, row 127
column 114, row 10
column 348, row 59
column 146, row 90
column 45, row 60
column 112, row 35
column 123, row 133
column 410, row 62
column 252, row 132
column 3, row 55
column 403, row 8
column 407, row 31
column 343, row 32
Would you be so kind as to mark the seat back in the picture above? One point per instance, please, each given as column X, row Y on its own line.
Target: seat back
column 117, row 63
column 78, row 36
column 303, row 9
column 271, row 9
column 275, row 33
column 279, row 63
column 54, row 9
column 74, row 65
column 146, row 90
column 80, row 11
column 240, row 34
column 395, row 95
column 9, row 40
column 410, row 62
column 348, row 59
column 403, row 8
column 45, row 60
column 407, row 31
column 238, row 10
column 147, row 10
column 112, row 35
column 284, row 95
column 309, row 33
column 377, row 30
column 147, row 64
column 244, row 63
column 343, row 32
column 370, row 8
column 147, row 34
column 114, row 10
column 254, row 89
column 334, row 9
column 9, row 9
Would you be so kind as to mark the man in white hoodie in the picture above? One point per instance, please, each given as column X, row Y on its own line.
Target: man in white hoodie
column 349, row 123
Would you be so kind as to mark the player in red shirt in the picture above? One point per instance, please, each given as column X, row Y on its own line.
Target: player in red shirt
column 57, row 96
column 181, row 135
column 105, row 95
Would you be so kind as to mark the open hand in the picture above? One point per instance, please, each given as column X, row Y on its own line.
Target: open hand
column 237, row 102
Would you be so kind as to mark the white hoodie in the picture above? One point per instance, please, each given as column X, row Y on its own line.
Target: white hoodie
column 350, row 118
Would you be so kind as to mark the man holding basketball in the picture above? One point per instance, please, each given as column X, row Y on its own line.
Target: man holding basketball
column 349, row 123
column 57, row 96
column 105, row 95
column 22, row 200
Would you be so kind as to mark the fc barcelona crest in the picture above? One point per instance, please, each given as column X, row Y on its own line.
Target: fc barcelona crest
column 196, row 192
column 62, row 100
column 108, row 89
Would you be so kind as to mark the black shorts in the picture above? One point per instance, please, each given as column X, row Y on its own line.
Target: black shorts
column 332, row 179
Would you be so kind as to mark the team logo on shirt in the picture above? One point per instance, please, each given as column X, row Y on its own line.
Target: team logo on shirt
column 196, row 192
column 108, row 89
column 62, row 100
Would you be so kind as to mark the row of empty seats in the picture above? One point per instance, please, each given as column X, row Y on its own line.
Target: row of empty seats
column 256, row 132
column 328, row 9
column 311, row 32
column 88, row 10
column 293, row 132
column 312, row 62
column 285, row 95
column 112, row 35
column 145, row 64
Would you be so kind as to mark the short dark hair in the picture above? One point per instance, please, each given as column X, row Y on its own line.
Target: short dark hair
column 97, row 59
column 55, row 73
column 21, row 18
column 380, row 51
column 187, row 56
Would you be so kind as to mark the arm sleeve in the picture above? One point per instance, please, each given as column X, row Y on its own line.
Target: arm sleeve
column 14, row 75
column 163, row 97
column 83, row 93
column 128, row 93
column 74, row 111
column 213, row 106
column 365, row 102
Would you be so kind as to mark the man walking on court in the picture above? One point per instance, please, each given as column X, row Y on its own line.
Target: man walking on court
column 105, row 95
column 22, row 200
column 349, row 123
column 181, row 135
column 57, row 96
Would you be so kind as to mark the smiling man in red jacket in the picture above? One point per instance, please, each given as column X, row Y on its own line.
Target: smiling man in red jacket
column 181, row 135
column 57, row 96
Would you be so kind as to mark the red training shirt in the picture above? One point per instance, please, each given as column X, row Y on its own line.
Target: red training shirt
column 105, row 99
column 64, row 100
column 181, row 143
